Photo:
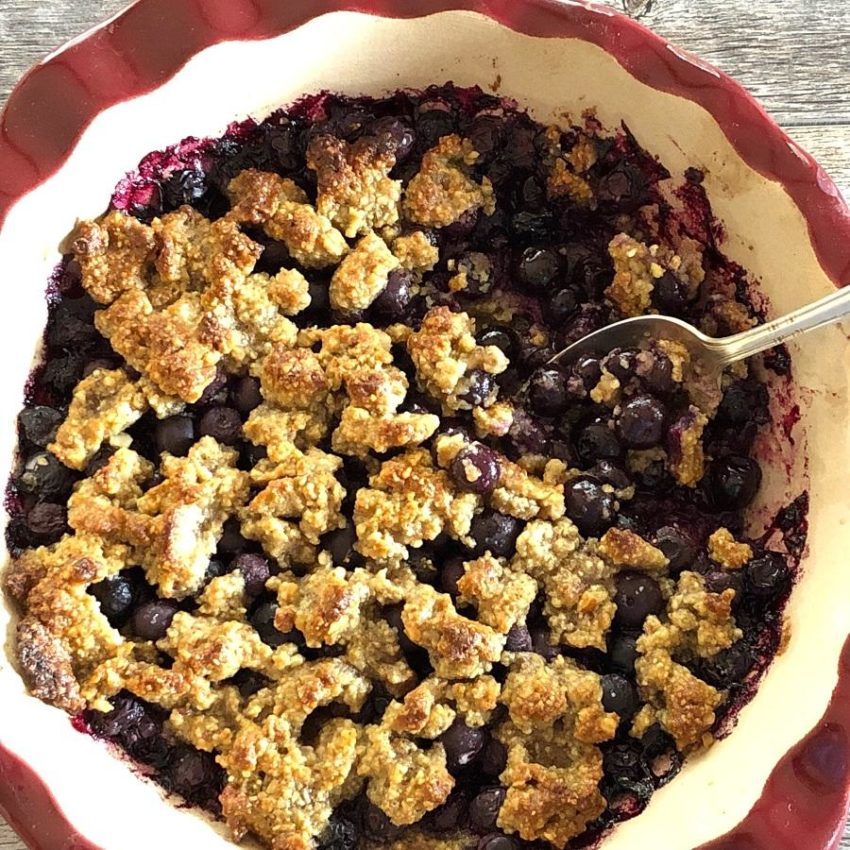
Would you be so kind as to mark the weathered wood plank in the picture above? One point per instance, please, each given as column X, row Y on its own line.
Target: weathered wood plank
column 794, row 55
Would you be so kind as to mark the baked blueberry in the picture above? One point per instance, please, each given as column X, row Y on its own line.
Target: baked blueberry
column 39, row 424
column 484, row 809
column 463, row 744
column 620, row 696
column 223, row 424
column 637, row 597
column 47, row 522
column 640, row 424
column 393, row 302
column 476, row 468
column 246, row 395
column 547, row 392
column 150, row 621
column 175, row 435
column 494, row 532
column 255, row 570
column 733, row 482
column 44, row 477
column 589, row 505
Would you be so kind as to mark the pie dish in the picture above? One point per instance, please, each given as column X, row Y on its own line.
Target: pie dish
column 790, row 469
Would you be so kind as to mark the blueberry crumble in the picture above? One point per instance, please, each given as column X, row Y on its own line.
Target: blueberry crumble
column 306, row 523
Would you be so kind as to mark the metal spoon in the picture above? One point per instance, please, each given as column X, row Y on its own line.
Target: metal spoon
column 712, row 355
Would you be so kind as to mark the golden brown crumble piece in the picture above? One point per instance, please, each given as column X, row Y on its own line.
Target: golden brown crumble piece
column 362, row 275
column 404, row 781
column 553, row 769
column 459, row 648
column 370, row 421
column 526, row 496
column 193, row 252
column 699, row 624
column 683, row 704
column 407, row 503
column 415, row 252
column 442, row 191
column 493, row 421
column 280, row 789
column 360, row 431
column 267, row 426
column 540, row 693
column 374, row 650
column 173, row 347
column 577, row 583
column 686, row 458
column 563, row 182
column 187, row 512
column 723, row 549
column 281, row 208
column 325, row 606
column 214, row 649
column 243, row 317
column 446, row 357
column 57, row 598
column 704, row 619
column 354, row 189
column 349, row 351
column 103, row 405
column 624, row 549
column 224, row 597
column 636, row 269
column 106, row 504
column 46, row 666
column 293, row 379
column 300, row 502
column 115, row 254
column 501, row 596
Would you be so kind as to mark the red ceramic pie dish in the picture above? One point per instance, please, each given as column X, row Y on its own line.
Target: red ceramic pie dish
column 168, row 69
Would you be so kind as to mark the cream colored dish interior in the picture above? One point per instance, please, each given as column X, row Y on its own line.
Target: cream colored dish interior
column 767, row 234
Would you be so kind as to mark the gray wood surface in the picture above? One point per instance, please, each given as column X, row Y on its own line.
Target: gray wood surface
column 793, row 54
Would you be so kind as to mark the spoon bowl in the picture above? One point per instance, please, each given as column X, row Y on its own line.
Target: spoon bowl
column 710, row 355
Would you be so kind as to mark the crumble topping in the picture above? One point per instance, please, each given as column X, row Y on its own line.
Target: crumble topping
column 442, row 192
column 104, row 405
column 447, row 358
column 408, row 502
column 362, row 275
column 354, row 188
column 281, row 208
column 723, row 549
column 115, row 254
column 577, row 583
column 347, row 606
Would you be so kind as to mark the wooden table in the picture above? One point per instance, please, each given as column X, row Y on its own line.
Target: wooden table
column 793, row 54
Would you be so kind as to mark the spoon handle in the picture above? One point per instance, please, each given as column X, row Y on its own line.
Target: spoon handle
column 828, row 310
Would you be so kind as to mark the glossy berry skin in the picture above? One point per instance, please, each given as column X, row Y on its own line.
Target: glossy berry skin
column 620, row 696
column 223, row 424
column 733, row 482
column 476, row 468
column 637, row 597
column 484, row 809
column 589, row 506
column 150, row 621
column 537, row 268
column 175, row 435
column 678, row 545
column 393, row 302
column 767, row 575
column 463, row 744
column 262, row 619
column 39, row 424
column 518, row 639
column 45, row 477
column 622, row 652
column 547, row 392
column 116, row 596
column 494, row 532
column 246, row 395
column 255, row 571
column 640, row 424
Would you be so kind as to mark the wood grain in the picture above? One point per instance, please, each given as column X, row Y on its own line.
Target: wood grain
column 792, row 54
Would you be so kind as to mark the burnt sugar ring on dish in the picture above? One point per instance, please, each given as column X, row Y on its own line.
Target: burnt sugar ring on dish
column 306, row 523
